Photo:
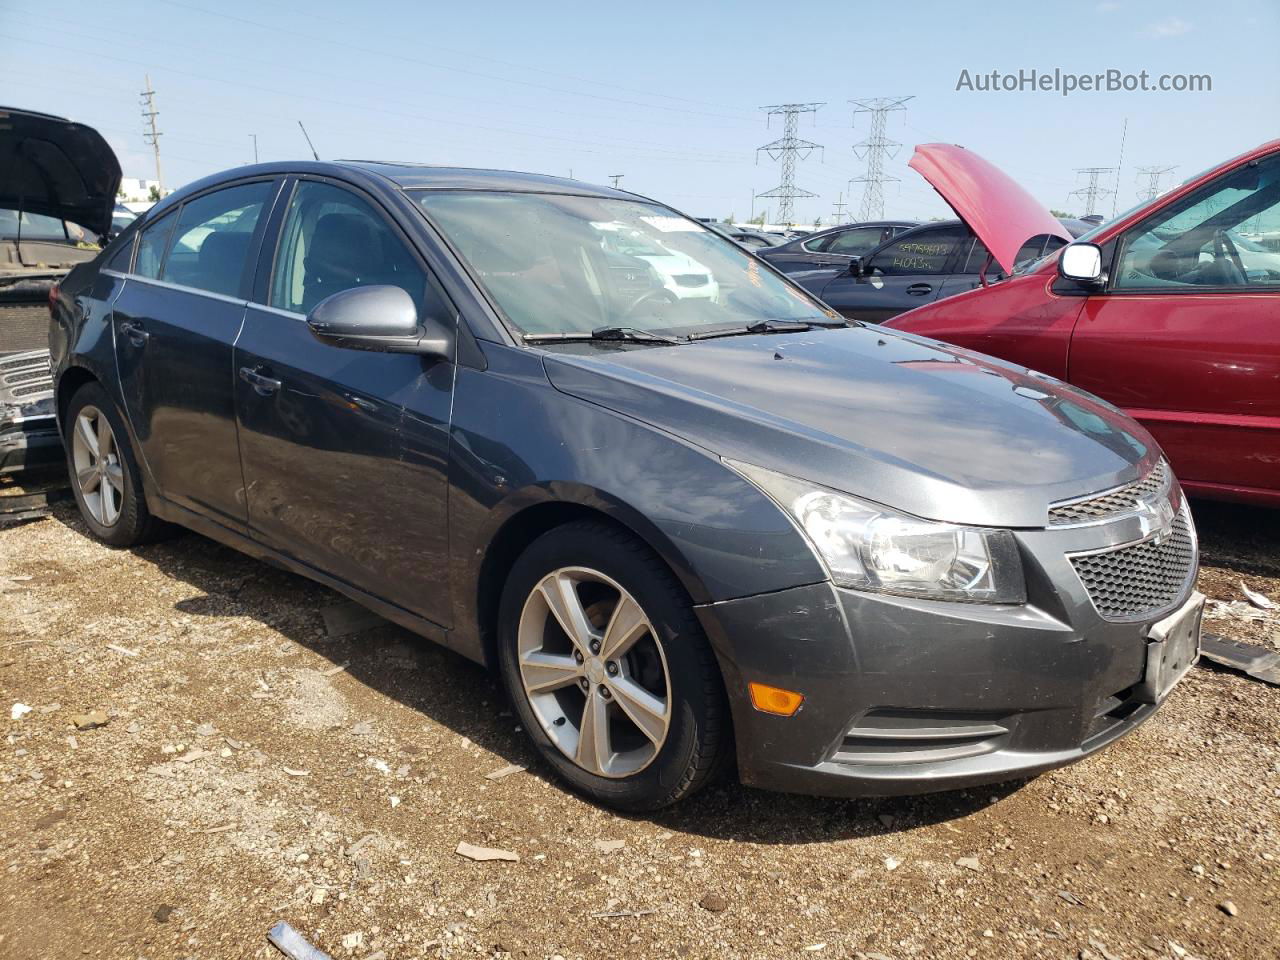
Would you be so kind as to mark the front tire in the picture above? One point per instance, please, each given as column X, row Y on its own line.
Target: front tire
column 104, row 474
column 609, row 669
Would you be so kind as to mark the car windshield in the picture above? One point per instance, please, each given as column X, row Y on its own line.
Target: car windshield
column 562, row 264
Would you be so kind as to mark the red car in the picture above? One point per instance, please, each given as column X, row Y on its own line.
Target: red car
column 1171, row 311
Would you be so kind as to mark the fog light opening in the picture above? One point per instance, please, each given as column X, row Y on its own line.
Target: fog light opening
column 774, row 700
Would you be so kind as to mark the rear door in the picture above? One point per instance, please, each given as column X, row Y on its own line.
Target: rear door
column 904, row 274
column 1186, row 336
column 174, row 324
column 345, row 450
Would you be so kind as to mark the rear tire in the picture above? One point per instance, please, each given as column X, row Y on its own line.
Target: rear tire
column 104, row 474
column 627, row 703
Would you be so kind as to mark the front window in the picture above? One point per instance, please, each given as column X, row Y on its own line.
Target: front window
column 1213, row 238
column 555, row 263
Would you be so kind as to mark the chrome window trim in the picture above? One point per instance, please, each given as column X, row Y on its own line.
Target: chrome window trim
column 182, row 288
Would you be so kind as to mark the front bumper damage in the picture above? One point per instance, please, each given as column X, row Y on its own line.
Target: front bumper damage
column 28, row 428
column 906, row 696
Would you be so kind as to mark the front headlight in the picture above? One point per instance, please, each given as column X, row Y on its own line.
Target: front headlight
column 869, row 547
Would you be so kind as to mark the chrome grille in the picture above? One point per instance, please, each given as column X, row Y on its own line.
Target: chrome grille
column 1140, row 579
column 1113, row 503
column 25, row 377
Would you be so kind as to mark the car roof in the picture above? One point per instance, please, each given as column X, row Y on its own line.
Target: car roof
column 403, row 176
column 420, row 176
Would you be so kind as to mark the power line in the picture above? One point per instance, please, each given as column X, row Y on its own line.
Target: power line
column 875, row 148
column 787, row 148
column 1093, row 190
column 150, row 134
column 1151, row 189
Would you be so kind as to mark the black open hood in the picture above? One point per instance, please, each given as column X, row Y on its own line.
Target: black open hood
column 56, row 167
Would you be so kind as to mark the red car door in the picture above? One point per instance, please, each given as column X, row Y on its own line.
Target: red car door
column 1186, row 334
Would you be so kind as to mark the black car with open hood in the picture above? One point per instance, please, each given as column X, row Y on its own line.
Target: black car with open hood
column 58, row 184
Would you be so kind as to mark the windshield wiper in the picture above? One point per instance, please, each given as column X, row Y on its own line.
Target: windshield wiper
column 768, row 326
column 615, row 334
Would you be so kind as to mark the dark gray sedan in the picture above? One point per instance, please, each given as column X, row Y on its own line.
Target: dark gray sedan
column 685, row 522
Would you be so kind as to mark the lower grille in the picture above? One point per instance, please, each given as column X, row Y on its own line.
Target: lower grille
column 1140, row 579
column 885, row 736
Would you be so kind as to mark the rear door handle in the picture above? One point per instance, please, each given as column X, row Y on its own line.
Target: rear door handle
column 135, row 332
column 919, row 289
column 257, row 377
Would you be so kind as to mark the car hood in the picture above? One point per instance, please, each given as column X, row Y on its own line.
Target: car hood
column 989, row 201
column 58, row 168
column 935, row 431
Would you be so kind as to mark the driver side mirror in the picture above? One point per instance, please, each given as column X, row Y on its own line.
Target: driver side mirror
column 1082, row 263
column 378, row 317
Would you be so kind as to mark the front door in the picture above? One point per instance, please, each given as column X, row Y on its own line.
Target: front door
column 174, row 324
column 344, row 450
column 1186, row 336
column 899, row 276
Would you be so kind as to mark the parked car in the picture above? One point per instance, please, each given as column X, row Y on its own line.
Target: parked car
column 58, row 183
column 921, row 265
column 835, row 246
column 676, row 527
column 751, row 239
column 1178, row 328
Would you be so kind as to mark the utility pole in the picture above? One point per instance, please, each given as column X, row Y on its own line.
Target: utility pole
column 1093, row 190
column 874, row 149
column 150, row 133
column 255, row 146
column 837, row 218
column 787, row 148
column 616, row 178
column 1153, row 175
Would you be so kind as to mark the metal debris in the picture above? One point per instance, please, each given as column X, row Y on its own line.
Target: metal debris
column 1257, row 662
column 1261, row 601
column 293, row 944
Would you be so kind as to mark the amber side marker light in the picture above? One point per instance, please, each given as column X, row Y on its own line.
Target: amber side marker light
column 775, row 700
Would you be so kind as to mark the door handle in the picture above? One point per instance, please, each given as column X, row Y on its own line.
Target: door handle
column 919, row 289
column 135, row 332
column 257, row 378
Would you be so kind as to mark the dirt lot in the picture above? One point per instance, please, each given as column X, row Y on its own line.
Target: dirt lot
column 253, row 768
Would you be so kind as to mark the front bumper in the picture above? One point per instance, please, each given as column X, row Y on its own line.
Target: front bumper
column 907, row 696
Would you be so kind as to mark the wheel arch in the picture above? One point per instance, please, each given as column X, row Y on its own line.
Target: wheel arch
column 556, row 506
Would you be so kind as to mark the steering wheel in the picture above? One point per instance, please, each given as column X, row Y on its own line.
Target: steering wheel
column 657, row 295
column 1224, row 249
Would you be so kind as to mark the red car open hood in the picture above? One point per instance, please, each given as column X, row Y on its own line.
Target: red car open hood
column 1001, row 213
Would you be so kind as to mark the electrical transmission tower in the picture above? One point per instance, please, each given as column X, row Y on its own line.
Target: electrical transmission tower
column 150, row 133
column 787, row 148
column 837, row 217
column 1093, row 190
column 1153, row 175
column 874, row 149
column 616, row 178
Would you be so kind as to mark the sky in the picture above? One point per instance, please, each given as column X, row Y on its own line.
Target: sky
column 667, row 94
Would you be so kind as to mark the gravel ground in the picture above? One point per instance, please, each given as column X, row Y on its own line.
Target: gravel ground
column 250, row 768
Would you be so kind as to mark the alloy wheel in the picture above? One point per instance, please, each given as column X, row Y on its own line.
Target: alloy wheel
column 594, row 672
column 99, row 475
